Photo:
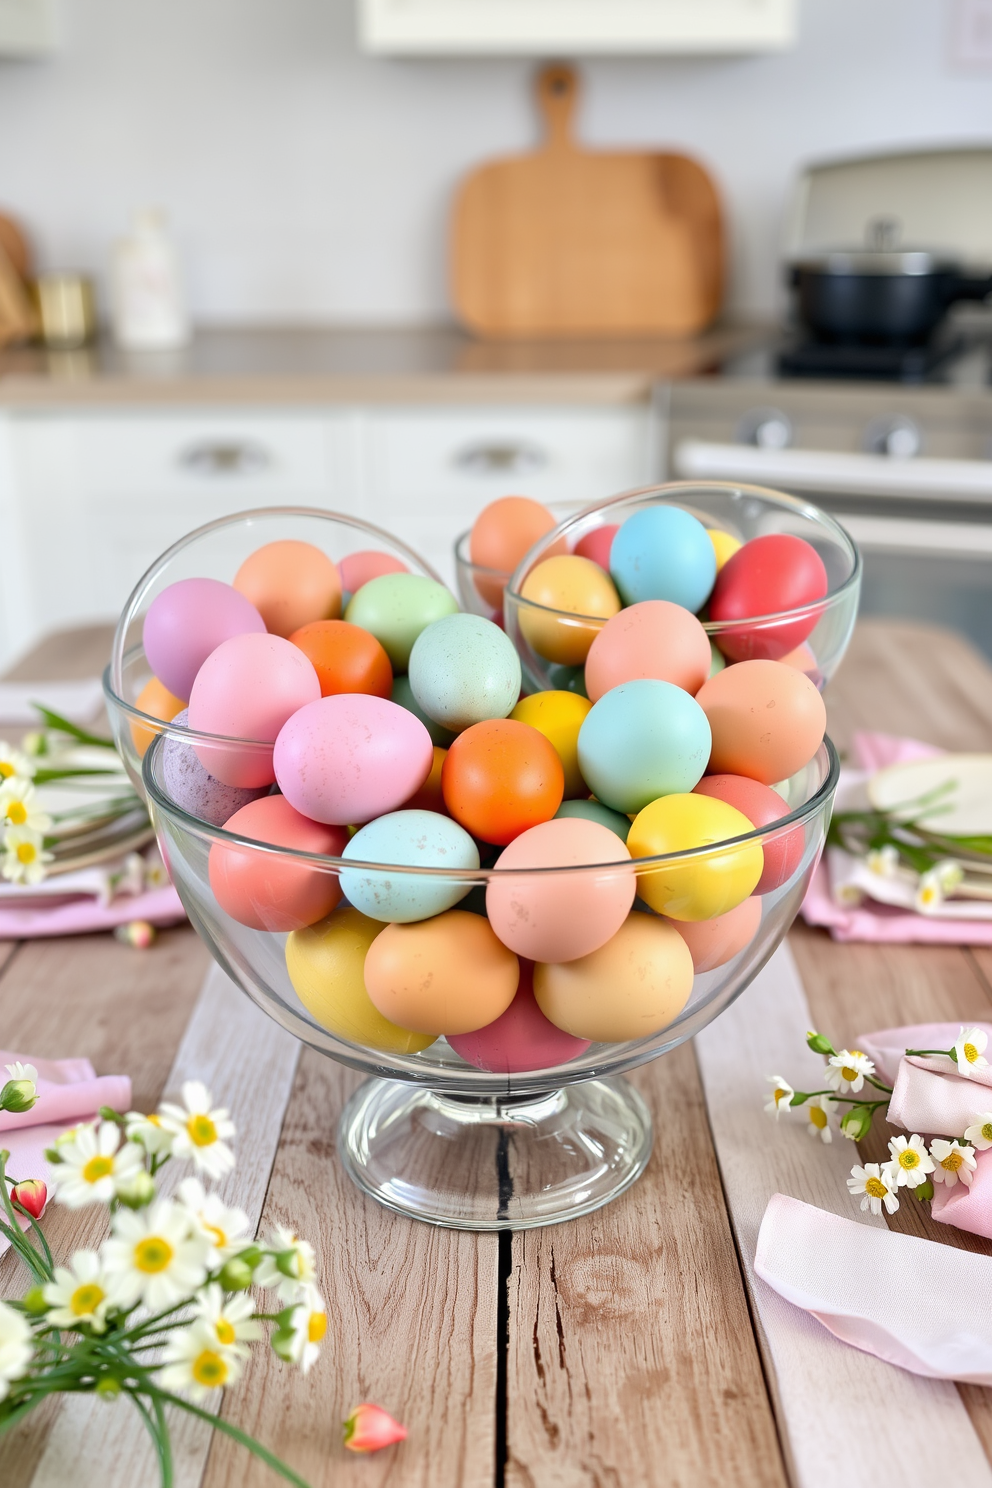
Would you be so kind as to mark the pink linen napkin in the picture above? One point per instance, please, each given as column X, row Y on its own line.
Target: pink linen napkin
column 69, row 1091
column 908, row 1301
column 78, row 916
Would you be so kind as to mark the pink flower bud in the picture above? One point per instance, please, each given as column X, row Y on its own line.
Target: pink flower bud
column 32, row 1195
column 369, row 1427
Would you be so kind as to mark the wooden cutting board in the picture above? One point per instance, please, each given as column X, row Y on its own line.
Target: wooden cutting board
column 574, row 242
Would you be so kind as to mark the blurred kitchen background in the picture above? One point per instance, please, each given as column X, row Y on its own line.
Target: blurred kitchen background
column 306, row 155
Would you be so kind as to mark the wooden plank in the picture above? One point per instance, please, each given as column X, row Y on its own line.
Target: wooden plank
column 412, row 1325
column 827, row 1394
column 631, row 1355
column 65, row 655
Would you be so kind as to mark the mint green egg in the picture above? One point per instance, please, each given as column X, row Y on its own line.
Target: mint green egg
column 402, row 694
column 395, row 608
column 595, row 811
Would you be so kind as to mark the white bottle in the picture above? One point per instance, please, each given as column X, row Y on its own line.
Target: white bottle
column 149, row 311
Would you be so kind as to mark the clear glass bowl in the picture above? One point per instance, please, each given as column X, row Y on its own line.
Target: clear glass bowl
column 480, row 589
column 744, row 512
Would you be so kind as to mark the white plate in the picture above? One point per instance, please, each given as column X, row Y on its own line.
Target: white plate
column 964, row 811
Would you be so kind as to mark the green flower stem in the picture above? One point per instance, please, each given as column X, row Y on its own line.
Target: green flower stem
column 25, row 1250
column 946, row 1053
column 36, row 1227
column 219, row 1424
column 159, row 1438
column 66, row 726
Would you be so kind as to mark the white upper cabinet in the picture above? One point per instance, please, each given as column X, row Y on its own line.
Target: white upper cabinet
column 28, row 28
column 573, row 27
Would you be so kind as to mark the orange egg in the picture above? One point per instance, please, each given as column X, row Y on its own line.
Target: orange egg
column 501, row 534
column 430, row 796
column 290, row 583
column 574, row 585
column 713, row 943
column 449, row 974
column 767, row 720
column 157, row 701
column 272, row 891
column 345, row 657
column 501, row 777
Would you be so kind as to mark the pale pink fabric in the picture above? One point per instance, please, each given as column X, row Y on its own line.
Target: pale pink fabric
column 910, row 1302
column 78, row 916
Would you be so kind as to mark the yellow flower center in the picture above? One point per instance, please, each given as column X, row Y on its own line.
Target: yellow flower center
column 875, row 1188
column 987, row 1131
column 217, row 1234
column 818, row 1117
column 849, row 1073
column 209, row 1369
column 928, row 895
column 970, row 1053
column 153, row 1254
column 952, row 1161
column 781, row 1094
column 317, row 1326
column 97, row 1168
column 17, row 813
column 909, row 1158
column 6, row 769
column 86, row 1299
column 26, row 852
column 225, row 1331
column 202, row 1132
column 154, row 1120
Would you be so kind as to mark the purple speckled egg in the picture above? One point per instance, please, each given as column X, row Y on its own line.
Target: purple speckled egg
column 189, row 620
column 351, row 757
column 196, row 791
column 520, row 1039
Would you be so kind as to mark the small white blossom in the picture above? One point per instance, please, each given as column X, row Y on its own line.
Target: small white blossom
column 231, row 1323
column 94, row 1166
column 884, row 861
column 198, row 1132
column 954, row 1163
column 18, row 1071
column 148, row 1132
column 19, row 806
column 195, row 1362
column 979, row 1134
column 307, row 1329
column 24, row 859
column 781, row 1095
column 291, row 1267
column 79, row 1293
column 16, row 1347
column 819, row 1113
column 153, row 1256
column 969, row 1050
column 878, row 1186
column 847, row 1070
column 224, row 1228
column 910, row 1161
column 14, row 762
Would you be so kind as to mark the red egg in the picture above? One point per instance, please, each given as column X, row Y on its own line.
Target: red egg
column 762, row 806
column 713, row 943
column 597, row 544
column 765, row 577
column 270, row 891
column 520, row 1039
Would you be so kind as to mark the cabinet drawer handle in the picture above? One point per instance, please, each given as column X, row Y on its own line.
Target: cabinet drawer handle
column 501, row 459
column 225, row 458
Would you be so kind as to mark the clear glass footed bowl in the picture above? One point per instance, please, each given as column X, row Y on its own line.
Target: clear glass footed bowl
column 550, row 640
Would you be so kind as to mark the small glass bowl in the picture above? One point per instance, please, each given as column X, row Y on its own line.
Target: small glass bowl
column 480, row 589
column 743, row 511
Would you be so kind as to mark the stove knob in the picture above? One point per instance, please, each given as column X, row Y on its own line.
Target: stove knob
column 897, row 437
column 768, row 428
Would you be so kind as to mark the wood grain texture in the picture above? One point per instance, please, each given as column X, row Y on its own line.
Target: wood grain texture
column 631, row 1356
column 412, row 1326
column 567, row 242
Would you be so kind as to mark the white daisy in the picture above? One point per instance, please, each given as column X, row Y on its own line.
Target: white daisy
column 224, row 1228
column 78, row 1294
column 19, row 806
column 291, row 1267
column 153, row 1257
column 954, row 1163
column 306, row 1330
column 24, row 860
column 198, row 1132
column 16, row 1347
column 781, row 1094
column 969, row 1050
column 194, row 1361
column 14, row 762
column 95, row 1166
column 231, row 1323
column 847, row 1070
column 877, row 1184
column 148, row 1132
column 979, row 1134
column 911, row 1162
column 18, row 1071
column 819, row 1113
column 884, row 861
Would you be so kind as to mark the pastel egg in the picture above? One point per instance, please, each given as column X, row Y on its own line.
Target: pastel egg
column 349, row 758
column 402, row 696
column 186, row 622
column 595, row 811
column 645, row 972
column 191, row 787
column 446, row 975
column 767, row 576
column 724, row 545
column 290, row 583
column 767, row 720
column 326, row 965
column 157, row 701
column 574, row 585
column 520, row 1039
column 663, row 552
column 762, row 806
column 718, row 661
column 501, row 777
column 713, row 943
column 704, row 885
column 558, row 716
column 464, row 669
column 247, row 689
column 272, row 891
column 395, row 608
column 652, row 639
column 597, row 544
column 559, row 917
column 501, row 535
column 642, row 740
column 345, row 658
column 370, row 563
column 414, row 839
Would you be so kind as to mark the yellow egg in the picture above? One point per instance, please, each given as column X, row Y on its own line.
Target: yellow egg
column 696, row 888
column 558, row 716
column 326, row 967
column 633, row 986
column 577, row 586
column 724, row 546
column 156, row 700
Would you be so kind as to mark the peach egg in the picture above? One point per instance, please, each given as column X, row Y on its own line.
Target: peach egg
column 520, row 1039
column 291, row 584
column 654, row 638
column 157, row 701
column 502, row 533
column 449, row 974
column 767, row 720
column 713, row 943
column 574, row 585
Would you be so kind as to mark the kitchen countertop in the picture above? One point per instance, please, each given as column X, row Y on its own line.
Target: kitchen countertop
column 619, row 1348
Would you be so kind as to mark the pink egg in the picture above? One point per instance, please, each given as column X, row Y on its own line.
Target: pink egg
column 597, row 544
column 762, row 806
column 189, row 620
column 559, row 917
column 267, row 891
column 520, row 1039
column 358, row 568
column 247, row 689
column 655, row 639
column 350, row 757
column 713, row 943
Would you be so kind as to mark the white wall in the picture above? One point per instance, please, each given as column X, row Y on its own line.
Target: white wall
column 308, row 181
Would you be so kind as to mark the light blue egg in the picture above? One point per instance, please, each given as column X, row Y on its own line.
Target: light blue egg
column 414, row 839
column 402, row 694
column 595, row 811
column 661, row 552
column 464, row 669
column 642, row 740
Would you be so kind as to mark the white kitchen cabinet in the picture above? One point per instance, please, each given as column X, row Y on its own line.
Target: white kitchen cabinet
column 28, row 28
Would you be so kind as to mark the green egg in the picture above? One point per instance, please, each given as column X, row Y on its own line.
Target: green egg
column 597, row 812
column 395, row 608
column 717, row 660
column 402, row 694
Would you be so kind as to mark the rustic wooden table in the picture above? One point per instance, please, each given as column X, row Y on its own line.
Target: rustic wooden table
column 618, row 1349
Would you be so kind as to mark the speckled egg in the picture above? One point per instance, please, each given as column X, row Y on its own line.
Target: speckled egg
column 767, row 720
column 415, row 839
column 196, row 791
column 642, row 740
column 464, row 669
column 395, row 608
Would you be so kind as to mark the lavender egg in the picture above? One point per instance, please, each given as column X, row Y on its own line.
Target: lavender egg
column 192, row 788
column 189, row 620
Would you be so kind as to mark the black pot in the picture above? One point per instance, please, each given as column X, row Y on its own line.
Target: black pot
column 887, row 299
